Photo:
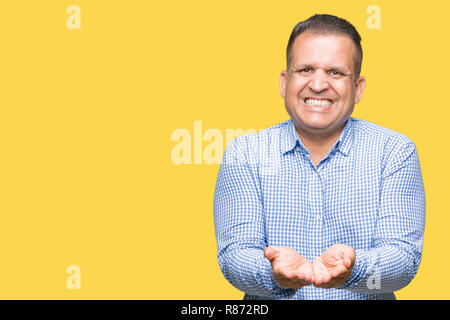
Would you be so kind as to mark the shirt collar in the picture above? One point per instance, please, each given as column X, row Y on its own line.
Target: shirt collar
column 342, row 144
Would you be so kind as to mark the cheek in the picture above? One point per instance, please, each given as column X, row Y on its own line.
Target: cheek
column 295, row 87
column 344, row 91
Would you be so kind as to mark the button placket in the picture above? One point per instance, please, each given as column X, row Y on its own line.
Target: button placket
column 316, row 205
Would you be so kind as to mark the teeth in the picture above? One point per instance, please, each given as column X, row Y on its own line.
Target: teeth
column 318, row 103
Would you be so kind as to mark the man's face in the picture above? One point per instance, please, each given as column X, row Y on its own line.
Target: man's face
column 320, row 89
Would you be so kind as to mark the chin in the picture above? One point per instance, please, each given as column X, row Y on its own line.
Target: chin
column 315, row 123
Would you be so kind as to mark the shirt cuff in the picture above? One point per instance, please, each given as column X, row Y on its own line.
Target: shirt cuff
column 357, row 271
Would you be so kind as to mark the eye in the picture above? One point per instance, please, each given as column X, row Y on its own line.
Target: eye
column 335, row 72
column 304, row 70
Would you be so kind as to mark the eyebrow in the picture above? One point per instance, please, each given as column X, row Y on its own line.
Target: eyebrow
column 302, row 66
column 333, row 67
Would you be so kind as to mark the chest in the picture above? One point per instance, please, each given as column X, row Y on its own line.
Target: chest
column 336, row 204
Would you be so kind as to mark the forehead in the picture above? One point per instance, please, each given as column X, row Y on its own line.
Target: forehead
column 323, row 50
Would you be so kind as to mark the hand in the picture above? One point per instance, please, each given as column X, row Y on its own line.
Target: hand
column 334, row 266
column 289, row 268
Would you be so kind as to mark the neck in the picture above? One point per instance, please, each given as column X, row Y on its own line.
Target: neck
column 319, row 143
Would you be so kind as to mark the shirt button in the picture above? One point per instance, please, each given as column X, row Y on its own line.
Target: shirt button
column 317, row 216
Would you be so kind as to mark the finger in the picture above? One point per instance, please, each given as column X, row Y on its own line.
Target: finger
column 317, row 282
column 318, row 279
column 308, row 277
column 271, row 253
column 304, row 276
column 338, row 271
column 324, row 278
column 349, row 254
column 331, row 283
column 347, row 262
column 289, row 275
column 284, row 273
column 320, row 284
column 300, row 275
column 292, row 283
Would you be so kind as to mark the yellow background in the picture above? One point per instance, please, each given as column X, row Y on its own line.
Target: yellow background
column 86, row 176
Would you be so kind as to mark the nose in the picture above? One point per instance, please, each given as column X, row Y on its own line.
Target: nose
column 318, row 81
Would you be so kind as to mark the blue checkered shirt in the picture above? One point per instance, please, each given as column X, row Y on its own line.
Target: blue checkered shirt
column 367, row 193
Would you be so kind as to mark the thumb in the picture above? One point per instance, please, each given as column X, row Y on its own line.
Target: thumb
column 349, row 257
column 271, row 253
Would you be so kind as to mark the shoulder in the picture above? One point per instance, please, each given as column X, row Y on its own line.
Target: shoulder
column 377, row 132
column 252, row 147
column 394, row 146
column 260, row 138
column 366, row 131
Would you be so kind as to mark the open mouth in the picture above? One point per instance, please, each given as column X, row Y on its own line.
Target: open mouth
column 318, row 103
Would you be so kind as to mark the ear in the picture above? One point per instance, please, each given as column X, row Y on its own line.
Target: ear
column 283, row 83
column 360, row 86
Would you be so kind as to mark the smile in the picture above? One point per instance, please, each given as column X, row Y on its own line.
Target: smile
column 318, row 102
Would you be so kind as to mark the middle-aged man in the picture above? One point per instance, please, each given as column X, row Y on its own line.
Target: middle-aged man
column 323, row 206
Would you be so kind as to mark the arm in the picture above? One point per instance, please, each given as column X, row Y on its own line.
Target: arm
column 240, row 228
column 394, row 258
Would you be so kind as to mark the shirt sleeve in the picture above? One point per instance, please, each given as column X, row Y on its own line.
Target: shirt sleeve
column 240, row 228
column 396, row 251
